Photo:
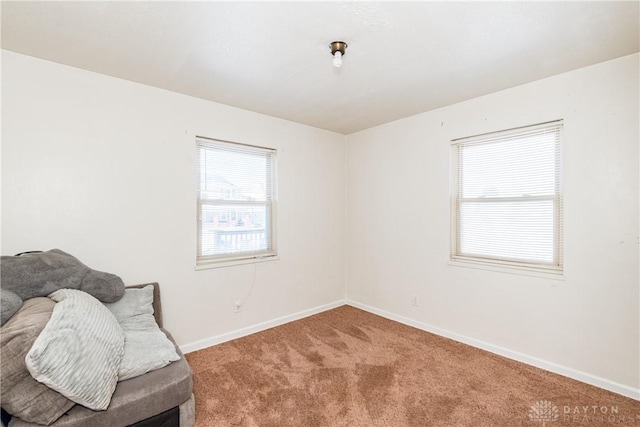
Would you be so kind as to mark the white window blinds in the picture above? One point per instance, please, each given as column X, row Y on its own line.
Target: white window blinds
column 236, row 201
column 507, row 198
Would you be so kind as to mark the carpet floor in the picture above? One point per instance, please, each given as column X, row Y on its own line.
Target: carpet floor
column 347, row 367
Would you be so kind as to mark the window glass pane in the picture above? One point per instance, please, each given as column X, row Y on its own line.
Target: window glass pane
column 233, row 175
column 511, row 168
column 232, row 229
column 508, row 230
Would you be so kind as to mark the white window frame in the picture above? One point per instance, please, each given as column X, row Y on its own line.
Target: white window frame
column 230, row 258
column 457, row 257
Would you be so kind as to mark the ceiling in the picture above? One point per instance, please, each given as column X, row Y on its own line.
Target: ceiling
column 402, row 58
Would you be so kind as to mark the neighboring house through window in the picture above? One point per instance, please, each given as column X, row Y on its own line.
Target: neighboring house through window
column 236, row 202
column 507, row 198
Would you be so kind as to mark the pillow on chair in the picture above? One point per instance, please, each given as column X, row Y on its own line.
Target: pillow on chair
column 79, row 351
column 146, row 347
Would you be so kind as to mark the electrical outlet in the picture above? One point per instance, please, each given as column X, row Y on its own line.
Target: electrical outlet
column 414, row 300
column 237, row 306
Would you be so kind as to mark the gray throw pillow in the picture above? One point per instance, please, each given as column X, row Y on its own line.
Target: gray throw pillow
column 146, row 347
column 20, row 394
column 10, row 303
column 79, row 351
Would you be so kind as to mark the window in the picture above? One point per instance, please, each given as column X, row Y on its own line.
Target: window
column 507, row 198
column 236, row 202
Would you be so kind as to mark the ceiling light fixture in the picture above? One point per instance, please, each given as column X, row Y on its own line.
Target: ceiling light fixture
column 337, row 50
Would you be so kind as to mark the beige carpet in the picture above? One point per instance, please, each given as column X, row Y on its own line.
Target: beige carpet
column 347, row 367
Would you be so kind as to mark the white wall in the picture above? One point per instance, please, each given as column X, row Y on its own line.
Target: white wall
column 398, row 221
column 105, row 169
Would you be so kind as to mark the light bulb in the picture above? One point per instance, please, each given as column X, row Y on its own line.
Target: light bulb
column 337, row 59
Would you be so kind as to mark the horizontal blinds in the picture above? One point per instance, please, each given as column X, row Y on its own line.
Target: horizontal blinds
column 236, row 195
column 230, row 171
column 508, row 196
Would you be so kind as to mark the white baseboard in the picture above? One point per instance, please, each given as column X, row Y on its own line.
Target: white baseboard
column 584, row 377
column 228, row 336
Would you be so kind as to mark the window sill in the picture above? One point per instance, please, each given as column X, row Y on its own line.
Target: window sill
column 231, row 263
column 521, row 271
